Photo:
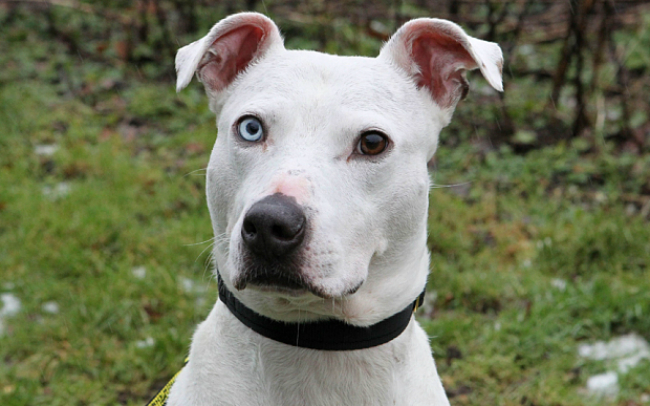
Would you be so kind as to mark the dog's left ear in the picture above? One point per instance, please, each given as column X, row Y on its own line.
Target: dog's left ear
column 436, row 53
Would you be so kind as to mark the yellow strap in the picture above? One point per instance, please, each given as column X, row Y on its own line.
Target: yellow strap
column 417, row 305
column 161, row 397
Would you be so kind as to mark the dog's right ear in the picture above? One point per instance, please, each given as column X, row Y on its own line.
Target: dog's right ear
column 229, row 48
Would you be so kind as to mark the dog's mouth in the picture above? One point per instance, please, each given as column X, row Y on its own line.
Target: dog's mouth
column 286, row 278
column 281, row 276
column 272, row 281
column 288, row 285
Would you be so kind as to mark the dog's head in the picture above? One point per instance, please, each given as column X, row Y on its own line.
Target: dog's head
column 317, row 184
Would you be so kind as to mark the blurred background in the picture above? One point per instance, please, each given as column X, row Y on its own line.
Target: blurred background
column 539, row 217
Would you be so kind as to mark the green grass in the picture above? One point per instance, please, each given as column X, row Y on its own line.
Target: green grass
column 131, row 157
column 496, row 252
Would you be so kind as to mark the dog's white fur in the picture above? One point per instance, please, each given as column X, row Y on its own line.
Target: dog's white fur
column 367, row 215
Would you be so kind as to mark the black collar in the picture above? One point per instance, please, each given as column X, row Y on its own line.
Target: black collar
column 329, row 335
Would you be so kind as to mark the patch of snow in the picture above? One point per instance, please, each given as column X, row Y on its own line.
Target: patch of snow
column 627, row 351
column 187, row 284
column 146, row 343
column 10, row 305
column 559, row 284
column 59, row 190
column 46, row 149
column 623, row 352
column 190, row 286
column 645, row 398
column 627, row 363
column 200, row 302
column 139, row 272
column 603, row 384
column 50, row 307
column 596, row 351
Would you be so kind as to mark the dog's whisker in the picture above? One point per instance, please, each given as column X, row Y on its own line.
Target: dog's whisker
column 222, row 239
column 202, row 242
column 435, row 186
column 209, row 258
column 207, row 263
column 205, row 249
column 195, row 171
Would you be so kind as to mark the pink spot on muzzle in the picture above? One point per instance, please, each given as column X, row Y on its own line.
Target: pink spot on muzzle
column 294, row 186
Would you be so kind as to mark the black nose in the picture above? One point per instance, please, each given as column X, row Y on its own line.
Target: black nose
column 274, row 226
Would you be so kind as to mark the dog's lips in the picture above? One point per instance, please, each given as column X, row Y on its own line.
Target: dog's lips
column 281, row 290
column 291, row 276
column 272, row 282
column 289, row 286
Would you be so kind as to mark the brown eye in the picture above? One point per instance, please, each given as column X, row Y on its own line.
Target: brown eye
column 372, row 143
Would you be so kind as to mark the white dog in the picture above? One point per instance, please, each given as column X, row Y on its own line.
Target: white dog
column 318, row 192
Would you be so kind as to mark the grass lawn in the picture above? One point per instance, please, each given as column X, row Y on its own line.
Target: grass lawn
column 104, row 240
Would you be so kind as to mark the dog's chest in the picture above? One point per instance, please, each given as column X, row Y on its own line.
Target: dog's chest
column 331, row 378
column 231, row 363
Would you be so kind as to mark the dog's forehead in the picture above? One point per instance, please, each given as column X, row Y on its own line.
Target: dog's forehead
column 347, row 81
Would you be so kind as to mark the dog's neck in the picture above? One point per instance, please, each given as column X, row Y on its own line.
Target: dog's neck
column 235, row 365
column 328, row 335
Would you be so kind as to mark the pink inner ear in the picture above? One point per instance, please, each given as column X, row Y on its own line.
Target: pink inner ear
column 441, row 60
column 229, row 55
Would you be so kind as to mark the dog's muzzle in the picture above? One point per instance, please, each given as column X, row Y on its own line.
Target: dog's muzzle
column 273, row 230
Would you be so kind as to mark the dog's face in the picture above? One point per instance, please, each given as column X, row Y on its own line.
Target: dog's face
column 317, row 184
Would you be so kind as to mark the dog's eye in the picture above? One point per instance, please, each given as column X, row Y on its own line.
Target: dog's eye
column 372, row 143
column 250, row 129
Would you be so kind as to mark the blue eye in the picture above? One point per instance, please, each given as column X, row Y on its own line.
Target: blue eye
column 250, row 129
